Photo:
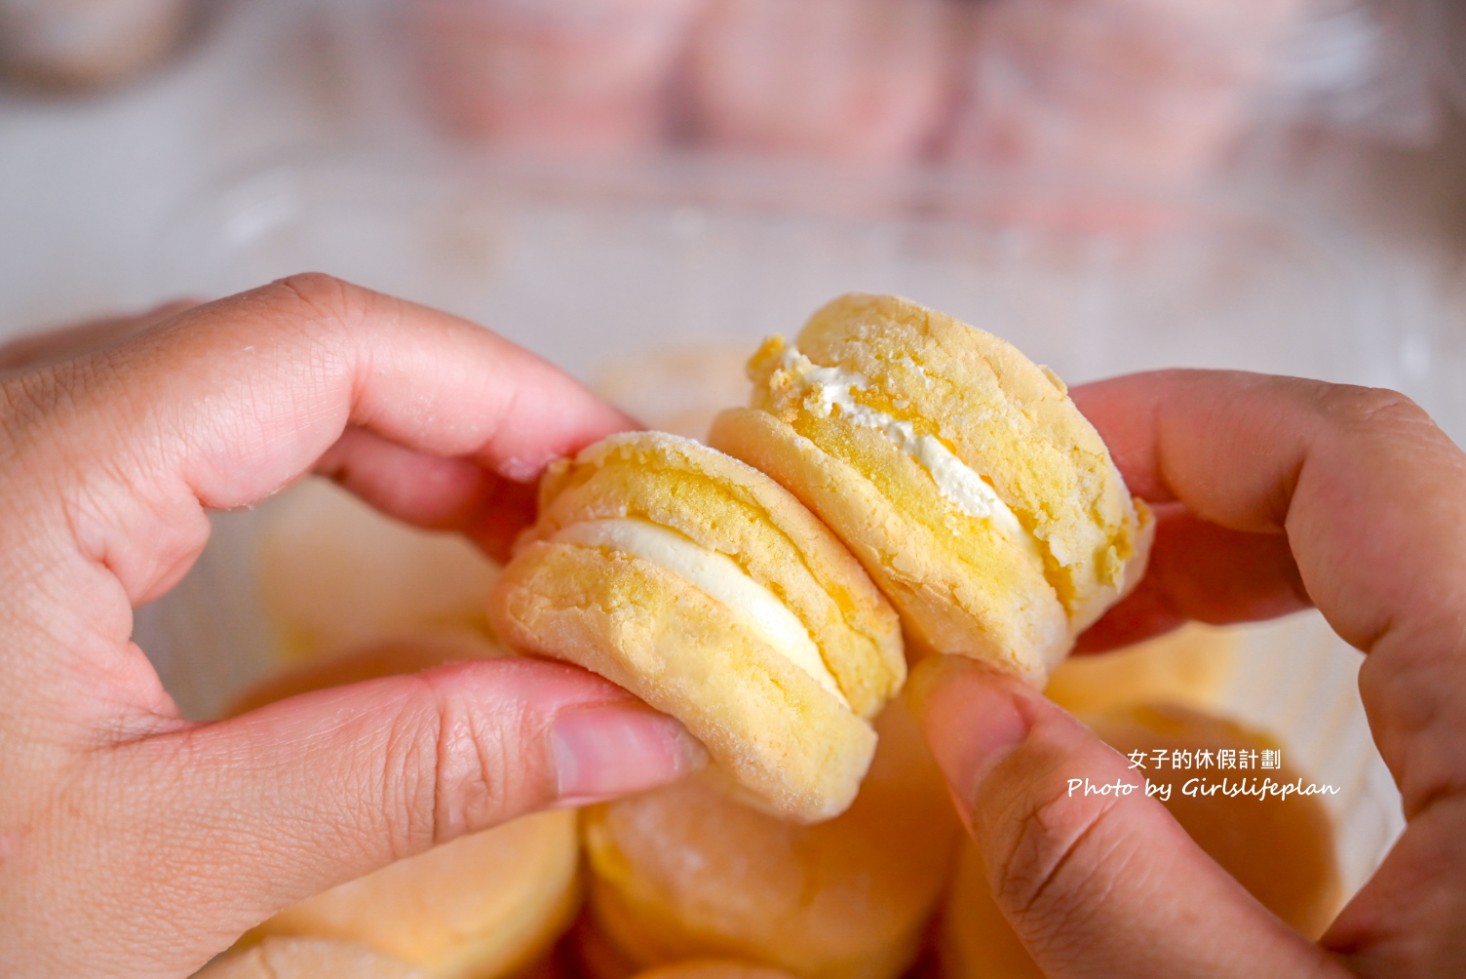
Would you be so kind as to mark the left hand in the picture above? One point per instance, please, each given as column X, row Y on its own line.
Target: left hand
column 134, row 842
column 1271, row 493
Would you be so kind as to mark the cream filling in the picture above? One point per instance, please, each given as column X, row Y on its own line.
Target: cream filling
column 958, row 482
column 719, row 576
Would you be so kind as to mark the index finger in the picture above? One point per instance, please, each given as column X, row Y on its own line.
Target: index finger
column 1366, row 488
column 1371, row 496
column 116, row 455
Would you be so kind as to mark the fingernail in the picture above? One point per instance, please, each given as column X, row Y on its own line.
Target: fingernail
column 972, row 718
column 613, row 750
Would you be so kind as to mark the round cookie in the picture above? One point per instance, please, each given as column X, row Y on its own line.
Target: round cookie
column 407, row 653
column 700, row 585
column 478, row 907
column 958, row 472
column 1281, row 849
column 308, row 958
column 686, row 872
column 1189, row 667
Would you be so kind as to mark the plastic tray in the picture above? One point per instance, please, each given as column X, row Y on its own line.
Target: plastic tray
column 590, row 266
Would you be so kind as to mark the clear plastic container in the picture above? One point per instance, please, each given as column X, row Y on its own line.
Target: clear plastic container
column 1148, row 92
column 590, row 266
column 1090, row 281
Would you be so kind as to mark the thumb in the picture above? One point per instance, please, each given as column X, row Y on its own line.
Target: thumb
column 290, row 799
column 1095, row 877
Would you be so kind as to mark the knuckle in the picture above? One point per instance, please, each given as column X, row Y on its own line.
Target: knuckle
column 470, row 786
column 409, row 780
column 20, row 407
column 328, row 320
column 1055, row 848
column 1356, row 407
column 319, row 295
column 464, row 773
column 319, row 308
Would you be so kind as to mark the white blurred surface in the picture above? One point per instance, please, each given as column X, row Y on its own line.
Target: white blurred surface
column 587, row 270
column 88, row 184
column 127, row 197
column 87, row 181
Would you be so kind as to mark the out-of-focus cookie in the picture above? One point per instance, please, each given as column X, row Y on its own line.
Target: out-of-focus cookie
column 406, row 654
column 309, row 958
column 334, row 574
column 1188, row 667
column 700, row 585
column 685, row 872
column 1281, row 849
column 957, row 471
column 1124, row 93
column 678, row 390
column 572, row 76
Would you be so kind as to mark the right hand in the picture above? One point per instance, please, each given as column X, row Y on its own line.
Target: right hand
column 1271, row 494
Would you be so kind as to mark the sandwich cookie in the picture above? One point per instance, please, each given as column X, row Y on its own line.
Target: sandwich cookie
column 704, row 588
column 958, row 472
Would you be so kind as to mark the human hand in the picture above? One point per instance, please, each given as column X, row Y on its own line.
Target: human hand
column 135, row 842
column 1271, row 494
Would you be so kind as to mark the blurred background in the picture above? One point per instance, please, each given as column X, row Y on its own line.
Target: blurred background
column 1278, row 184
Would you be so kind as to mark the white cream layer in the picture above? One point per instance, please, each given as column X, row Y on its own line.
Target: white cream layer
column 717, row 575
column 957, row 481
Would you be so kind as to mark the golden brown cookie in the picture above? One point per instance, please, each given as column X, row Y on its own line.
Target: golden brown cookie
column 1190, row 666
column 685, row 872
column 961, row 475
column 704, row 588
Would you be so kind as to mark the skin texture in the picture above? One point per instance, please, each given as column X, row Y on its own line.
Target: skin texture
column 1346, row 497
column 434, row 910
column 1190, row 666
column 136, row 842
